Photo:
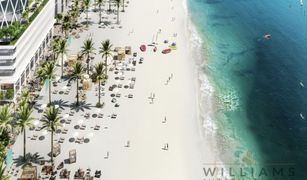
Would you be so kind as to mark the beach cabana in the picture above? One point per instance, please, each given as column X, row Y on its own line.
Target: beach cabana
column 29, row 173
column 72, row 156
column 56, row 149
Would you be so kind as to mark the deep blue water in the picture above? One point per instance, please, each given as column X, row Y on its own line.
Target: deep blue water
column 257, row 80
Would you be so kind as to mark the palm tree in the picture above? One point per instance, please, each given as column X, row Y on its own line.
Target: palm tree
column 117, row 4
column 62, row 49
column 25, row 97
column 99, row 2
column 99, row 75
column 47, row 72
column 55, row 48
column 87, row 50
column 3, row 175
column 106, row 52
column 76, row 76
column 51, row 123
column 87, row 6
column 5, row 119
column 66, row 24
column 24, row 120
column 58, row 18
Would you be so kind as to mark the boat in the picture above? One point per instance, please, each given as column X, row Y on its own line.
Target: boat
column 155, row 49
column 302, row 2
column 166, row 51
column 302, row 116
column 302, row 85
column 267, row 36
column 143, row 48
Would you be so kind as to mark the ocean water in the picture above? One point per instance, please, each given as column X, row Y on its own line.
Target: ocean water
column 261, row 109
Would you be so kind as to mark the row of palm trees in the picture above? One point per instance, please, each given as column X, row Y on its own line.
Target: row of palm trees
column 22, row 120
column 47, row 72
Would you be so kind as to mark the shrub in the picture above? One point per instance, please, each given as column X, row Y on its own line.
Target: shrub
column 9, row 94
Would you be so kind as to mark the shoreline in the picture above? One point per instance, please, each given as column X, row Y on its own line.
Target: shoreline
column 207, row 101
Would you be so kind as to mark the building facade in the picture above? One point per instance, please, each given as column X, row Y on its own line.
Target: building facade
column 11, row 11
column 18, row 61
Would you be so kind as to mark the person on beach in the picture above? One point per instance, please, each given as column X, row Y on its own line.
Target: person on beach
column 164, row 120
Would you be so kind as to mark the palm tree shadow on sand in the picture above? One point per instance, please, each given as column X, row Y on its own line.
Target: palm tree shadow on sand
column 62, row 104
column 29, row 159
column 81, row 107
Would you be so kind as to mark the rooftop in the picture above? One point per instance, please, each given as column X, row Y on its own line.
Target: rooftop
column 10, row 35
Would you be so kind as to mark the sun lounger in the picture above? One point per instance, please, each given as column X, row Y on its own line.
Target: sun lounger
column 60, row 166
column 61, row 140
column 68, row 121
column 130, row 95
column 64, row 131
column 80, row 140
column 34, row 137
column 113, row 116
column 100, row 115
column 131, row 86
column 97, row 127
column 83, row 127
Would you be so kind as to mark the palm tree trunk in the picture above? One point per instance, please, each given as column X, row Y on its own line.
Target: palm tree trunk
column 77, row 92
column 106, row 61
column 62, row 6
column 109, row 5
column 88, row 65
column 86, row 17
column 99, row 92
column 62, row 65
column 24, row 143
column 123, row 5
column 51, row 147
column 99, row 13
column 49, row 91
column 117, row 14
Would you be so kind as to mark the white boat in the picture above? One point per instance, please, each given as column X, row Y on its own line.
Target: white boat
column 302, row 116
column 302, row 2
column 302, row 85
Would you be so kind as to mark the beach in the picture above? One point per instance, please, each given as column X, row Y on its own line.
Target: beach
column 151, row 138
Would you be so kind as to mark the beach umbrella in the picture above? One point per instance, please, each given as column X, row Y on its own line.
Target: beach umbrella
column 43, row 106
column 57, row 78
column 35, row 123
column 64, row 87
column 45, row 132
column 76, row 134
column 81, row 121
column 98, row 110
column 66, row 116
column 90, row 135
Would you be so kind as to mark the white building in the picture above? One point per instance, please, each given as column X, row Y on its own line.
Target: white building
column 17, row 61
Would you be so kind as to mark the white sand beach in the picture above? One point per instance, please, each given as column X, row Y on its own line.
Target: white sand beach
column 138, row 121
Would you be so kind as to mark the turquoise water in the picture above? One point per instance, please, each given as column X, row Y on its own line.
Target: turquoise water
column 9, row 158
column 261, row 102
